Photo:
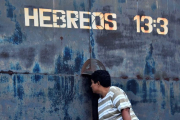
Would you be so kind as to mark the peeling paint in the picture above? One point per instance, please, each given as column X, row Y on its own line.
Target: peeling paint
column 144, row 91
column 75, row 4
column 132, row 85
column 152, row 92
column 62, row 65
column 67, row 54
column 162, row 88
column 37, row 78
column 91, row 2
column 83, row 6
column 153, row 6
column 122, row 1
column 40, row 67
column 16, row 66
column 18, row 88
column 10, row 9
column 150, row 63
column 92, row 44
column 18, row 37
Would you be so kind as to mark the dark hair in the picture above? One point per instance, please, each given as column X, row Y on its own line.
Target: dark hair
column 103, row 77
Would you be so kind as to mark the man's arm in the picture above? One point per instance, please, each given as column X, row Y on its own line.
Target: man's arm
column 126, row 114
column 122, row 103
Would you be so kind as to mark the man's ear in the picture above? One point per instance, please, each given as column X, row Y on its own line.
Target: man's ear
column 98, row 83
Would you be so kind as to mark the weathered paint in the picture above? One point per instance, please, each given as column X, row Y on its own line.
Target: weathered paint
column 40, row 66
column 53, row 97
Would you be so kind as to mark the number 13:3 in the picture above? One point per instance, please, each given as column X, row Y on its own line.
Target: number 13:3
column 150, row 26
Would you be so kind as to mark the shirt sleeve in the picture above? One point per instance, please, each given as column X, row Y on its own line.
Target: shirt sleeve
column 120, row 100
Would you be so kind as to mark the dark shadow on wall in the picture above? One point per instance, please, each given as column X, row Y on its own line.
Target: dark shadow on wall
column 94, row 97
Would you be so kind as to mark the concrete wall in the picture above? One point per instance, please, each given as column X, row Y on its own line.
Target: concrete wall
column 40, row 63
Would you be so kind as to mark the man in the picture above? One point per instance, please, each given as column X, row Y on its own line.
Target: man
column 113, row 103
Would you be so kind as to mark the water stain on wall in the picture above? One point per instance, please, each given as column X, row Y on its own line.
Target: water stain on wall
column 36, row 69
column 18, row 87
column 150, row 63
column 62, row 66
column 18, row 37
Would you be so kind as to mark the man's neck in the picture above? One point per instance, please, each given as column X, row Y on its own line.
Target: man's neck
column 104, row 91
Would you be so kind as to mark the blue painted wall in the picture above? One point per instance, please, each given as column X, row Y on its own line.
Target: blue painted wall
column 47, row 61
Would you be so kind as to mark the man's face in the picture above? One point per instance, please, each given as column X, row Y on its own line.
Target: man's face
column 94, row 86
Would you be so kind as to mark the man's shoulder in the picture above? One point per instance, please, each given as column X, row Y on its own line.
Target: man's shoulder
column 115, row 89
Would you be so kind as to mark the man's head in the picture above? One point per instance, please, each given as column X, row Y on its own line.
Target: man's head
column 100, row 77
